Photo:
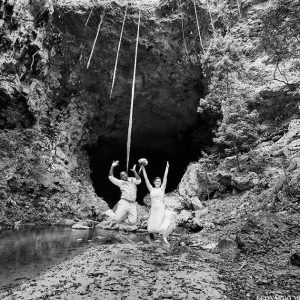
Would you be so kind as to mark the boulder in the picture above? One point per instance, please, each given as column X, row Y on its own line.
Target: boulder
column 184, row 217
column 229, row 248
column 80, row 227
column 201, row 212
column 196, row 225
column 243, row 183
column 196, row 203
column 290, row 142
column 197, row 182
column 210, row 246
column 230, row 163
column 87, row 222
column 224, row 177
column 173, row 201
column 225, row 244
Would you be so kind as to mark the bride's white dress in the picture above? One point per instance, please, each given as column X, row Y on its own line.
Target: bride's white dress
column 161, row 220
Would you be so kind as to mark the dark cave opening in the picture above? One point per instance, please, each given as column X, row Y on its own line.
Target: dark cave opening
column 179, row 155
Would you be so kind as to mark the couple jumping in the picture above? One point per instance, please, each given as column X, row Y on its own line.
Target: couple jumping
column 161, row 220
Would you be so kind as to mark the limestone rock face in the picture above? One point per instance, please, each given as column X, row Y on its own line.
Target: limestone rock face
column 53, row 108
column 289, row 144
column 196, row 185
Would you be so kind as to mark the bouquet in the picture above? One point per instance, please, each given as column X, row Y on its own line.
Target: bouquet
column 142, row 162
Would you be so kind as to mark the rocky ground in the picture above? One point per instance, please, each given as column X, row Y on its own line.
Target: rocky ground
column 129, row 271
column 252, row 216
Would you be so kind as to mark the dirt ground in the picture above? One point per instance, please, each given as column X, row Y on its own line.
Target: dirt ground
column 118, row 268
column 129, row 271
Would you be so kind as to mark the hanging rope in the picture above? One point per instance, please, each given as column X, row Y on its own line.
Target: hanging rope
column 182, row 29
column 99, row 26
column 84, row 28
column 87, row 21
column 198, row 27
column 132, row 94
column 117, row 56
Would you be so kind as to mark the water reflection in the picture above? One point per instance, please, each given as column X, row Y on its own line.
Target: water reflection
column 28, row 252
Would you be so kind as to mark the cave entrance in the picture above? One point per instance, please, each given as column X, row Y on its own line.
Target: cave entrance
column 178, row 152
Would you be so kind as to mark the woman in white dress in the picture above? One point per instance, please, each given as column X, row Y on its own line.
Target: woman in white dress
column 161, row 220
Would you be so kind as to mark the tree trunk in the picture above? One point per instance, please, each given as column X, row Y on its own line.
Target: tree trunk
column 237, row 156
column 227, row 83
column 207, row 189
column 239, row 7
column 211, row 19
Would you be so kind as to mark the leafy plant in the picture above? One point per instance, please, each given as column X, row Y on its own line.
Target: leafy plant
column 238, row 130
column 281, row 34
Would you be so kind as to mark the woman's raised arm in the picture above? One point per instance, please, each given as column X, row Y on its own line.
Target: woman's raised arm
column 164, row 183
column 149, row 186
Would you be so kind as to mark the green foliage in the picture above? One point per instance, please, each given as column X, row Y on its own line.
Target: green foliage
column 38, row 7
column 226, row 14
column 281, row 30
column 258, row 162
column 223, row 66
column 281, row 35
column 222, row 63
column 239, row 128
column 166, row 7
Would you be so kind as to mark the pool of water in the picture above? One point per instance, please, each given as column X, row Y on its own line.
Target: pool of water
column 28, row 252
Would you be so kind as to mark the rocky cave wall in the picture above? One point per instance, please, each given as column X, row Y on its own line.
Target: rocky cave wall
column 267, row 180
column 56, row 112
column 58, row 125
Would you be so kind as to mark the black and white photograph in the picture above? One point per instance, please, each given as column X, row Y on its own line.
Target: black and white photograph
column 150, row 149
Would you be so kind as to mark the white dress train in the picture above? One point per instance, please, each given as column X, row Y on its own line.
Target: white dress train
column 161, row 220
